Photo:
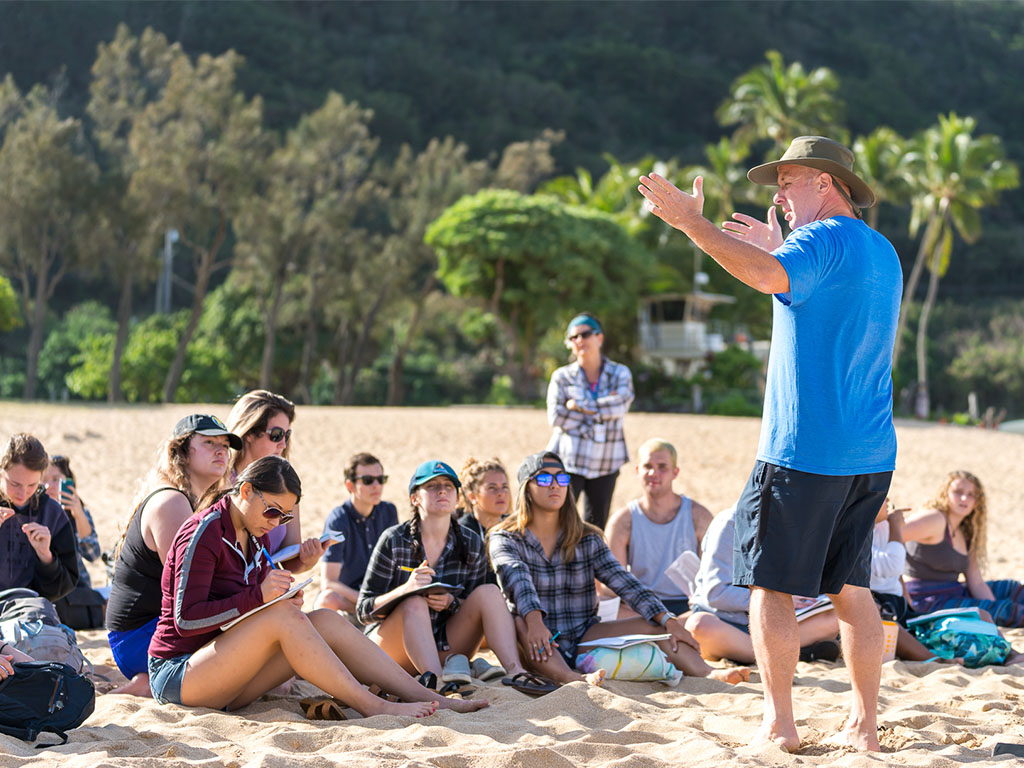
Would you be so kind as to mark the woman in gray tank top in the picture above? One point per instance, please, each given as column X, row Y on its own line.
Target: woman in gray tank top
column 947, row 539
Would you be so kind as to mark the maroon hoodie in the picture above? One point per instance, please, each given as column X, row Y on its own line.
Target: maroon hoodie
column 206, row 582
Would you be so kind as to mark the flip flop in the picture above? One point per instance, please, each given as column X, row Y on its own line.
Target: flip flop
column 428, row 680
column 824, row 650
column 528, row 683
column 484, row 671
column 456, row 670
column 323, row 708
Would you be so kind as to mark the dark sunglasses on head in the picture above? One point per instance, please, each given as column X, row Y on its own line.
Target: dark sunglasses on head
column 581, row 335
column 371, row 479
column 544, row 479
column 274, row 513
column 276, row 434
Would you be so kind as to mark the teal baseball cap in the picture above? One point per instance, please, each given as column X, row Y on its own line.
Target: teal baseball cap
column 428, row 470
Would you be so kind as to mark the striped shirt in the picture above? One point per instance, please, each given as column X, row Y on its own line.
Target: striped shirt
column 397, row 547
column 590, row 445
column 564, row 592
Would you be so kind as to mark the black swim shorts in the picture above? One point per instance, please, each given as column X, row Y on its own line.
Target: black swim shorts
column 806, row 534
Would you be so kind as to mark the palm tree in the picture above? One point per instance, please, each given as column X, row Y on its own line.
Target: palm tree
column 880, row 163
column 773, row 101
column 954, row 174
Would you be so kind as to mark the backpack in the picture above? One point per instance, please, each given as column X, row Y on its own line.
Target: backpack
column 30, row 623
column 961, row 633
column 44, row 696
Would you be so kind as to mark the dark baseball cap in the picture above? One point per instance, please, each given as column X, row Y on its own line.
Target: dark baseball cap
column 428, row 470
column 534, row 463
column 211, row 426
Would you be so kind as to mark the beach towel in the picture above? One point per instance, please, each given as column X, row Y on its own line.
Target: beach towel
column 643, row 661
column 961, row 634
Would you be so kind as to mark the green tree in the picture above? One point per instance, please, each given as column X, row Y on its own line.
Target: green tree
column 10, row 318
column 529, row 258
column 880, row 163
column 129, row 74
column 308, row 195
column 83, row 320
column 954, row 175
column 44, row 202
column 200, row 150
column 778, row 102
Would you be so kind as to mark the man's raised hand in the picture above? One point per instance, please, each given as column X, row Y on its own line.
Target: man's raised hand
column 671, row 204
column 766, row 235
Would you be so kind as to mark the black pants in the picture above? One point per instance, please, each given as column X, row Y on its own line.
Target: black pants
column 599, row 492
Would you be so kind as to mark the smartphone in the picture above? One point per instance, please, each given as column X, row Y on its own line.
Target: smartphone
column 67, row 486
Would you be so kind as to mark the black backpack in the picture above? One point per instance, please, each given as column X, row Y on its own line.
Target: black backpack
column 44, row 696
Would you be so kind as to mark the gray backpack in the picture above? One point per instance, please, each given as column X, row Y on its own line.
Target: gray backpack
column 29, row 623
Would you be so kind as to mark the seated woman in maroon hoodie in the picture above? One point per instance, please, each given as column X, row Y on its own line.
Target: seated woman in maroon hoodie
column 218, row 569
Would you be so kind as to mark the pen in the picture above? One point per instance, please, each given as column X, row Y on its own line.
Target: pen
column 555, row 636
column 271, row 560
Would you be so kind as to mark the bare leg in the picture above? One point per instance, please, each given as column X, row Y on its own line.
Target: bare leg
column 861, row 629
column 333, row 601
column 137, row 686
column 554, row 666
column 683, row 656
column 719, row 640
column 776, row 640
column 485, row 612
column 264, row 651
column 407, row 637
column 822, row 626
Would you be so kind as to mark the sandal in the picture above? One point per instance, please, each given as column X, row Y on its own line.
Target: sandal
column 428, row 680
column 323, row 708
column 531, row 684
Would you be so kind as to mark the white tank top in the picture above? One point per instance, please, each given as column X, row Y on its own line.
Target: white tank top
column 654, row 546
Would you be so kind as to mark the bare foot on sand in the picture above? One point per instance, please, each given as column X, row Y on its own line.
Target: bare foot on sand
column 414, row 708
column 139, row 686
column 773, row 733
column 856, row 736
column 731, row 675
column 596, row 677
column 462, row 705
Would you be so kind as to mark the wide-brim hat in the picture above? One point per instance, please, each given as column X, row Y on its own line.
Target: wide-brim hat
column 824, row 155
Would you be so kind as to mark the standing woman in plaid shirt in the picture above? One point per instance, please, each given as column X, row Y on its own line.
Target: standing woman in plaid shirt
column 435, row 634
column 547, row 560
column 587, row 401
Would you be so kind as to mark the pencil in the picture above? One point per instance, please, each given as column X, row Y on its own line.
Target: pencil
column 406, row 568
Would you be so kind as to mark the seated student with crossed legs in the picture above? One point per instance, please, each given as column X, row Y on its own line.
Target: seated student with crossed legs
column 434, row 635
column 217, row 569
column 547, row 560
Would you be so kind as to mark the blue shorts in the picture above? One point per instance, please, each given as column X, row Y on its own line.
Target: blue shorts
column 165, row 676
column 131, row 648
column 803, row 533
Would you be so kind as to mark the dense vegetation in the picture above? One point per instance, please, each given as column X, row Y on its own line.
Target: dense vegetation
column 336, row 298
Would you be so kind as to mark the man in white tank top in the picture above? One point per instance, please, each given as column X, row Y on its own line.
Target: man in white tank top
column 652, row 532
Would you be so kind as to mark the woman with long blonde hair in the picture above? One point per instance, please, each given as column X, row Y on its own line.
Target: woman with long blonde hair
column 945, row 540
column 547, row 559
column 263, row 420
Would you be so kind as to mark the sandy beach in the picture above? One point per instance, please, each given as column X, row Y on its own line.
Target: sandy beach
column 930, row 714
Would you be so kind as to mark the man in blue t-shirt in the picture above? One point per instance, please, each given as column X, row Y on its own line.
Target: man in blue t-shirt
column 362, row 519
column 828, row 446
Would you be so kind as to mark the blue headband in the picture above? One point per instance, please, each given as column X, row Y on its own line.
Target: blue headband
column 583, row 320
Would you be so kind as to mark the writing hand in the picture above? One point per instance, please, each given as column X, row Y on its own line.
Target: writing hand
column 277, row 582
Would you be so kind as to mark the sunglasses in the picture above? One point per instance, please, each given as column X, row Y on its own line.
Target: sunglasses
column 274, row 513
column 581, row 335
column 276, row 434
column 371, row 479
column 544, row 479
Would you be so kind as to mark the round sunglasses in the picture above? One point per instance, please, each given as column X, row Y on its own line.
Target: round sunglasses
column 276, row 434
column 544, row 479
column 274, row 513
column 371, row 479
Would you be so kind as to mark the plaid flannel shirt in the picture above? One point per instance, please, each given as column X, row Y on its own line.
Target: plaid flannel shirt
column 564, row 592
column 397, row 547
column 590, row 445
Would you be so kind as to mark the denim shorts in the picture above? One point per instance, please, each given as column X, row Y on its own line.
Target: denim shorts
column 165, row 676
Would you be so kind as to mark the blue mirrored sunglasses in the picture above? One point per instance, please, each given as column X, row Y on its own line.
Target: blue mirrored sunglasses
column 544, row 479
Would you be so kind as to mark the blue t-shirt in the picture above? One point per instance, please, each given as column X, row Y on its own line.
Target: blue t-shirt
column 361, row 534
column 828, row 398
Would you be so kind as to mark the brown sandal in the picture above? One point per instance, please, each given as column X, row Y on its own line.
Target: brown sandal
column 323, row 708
